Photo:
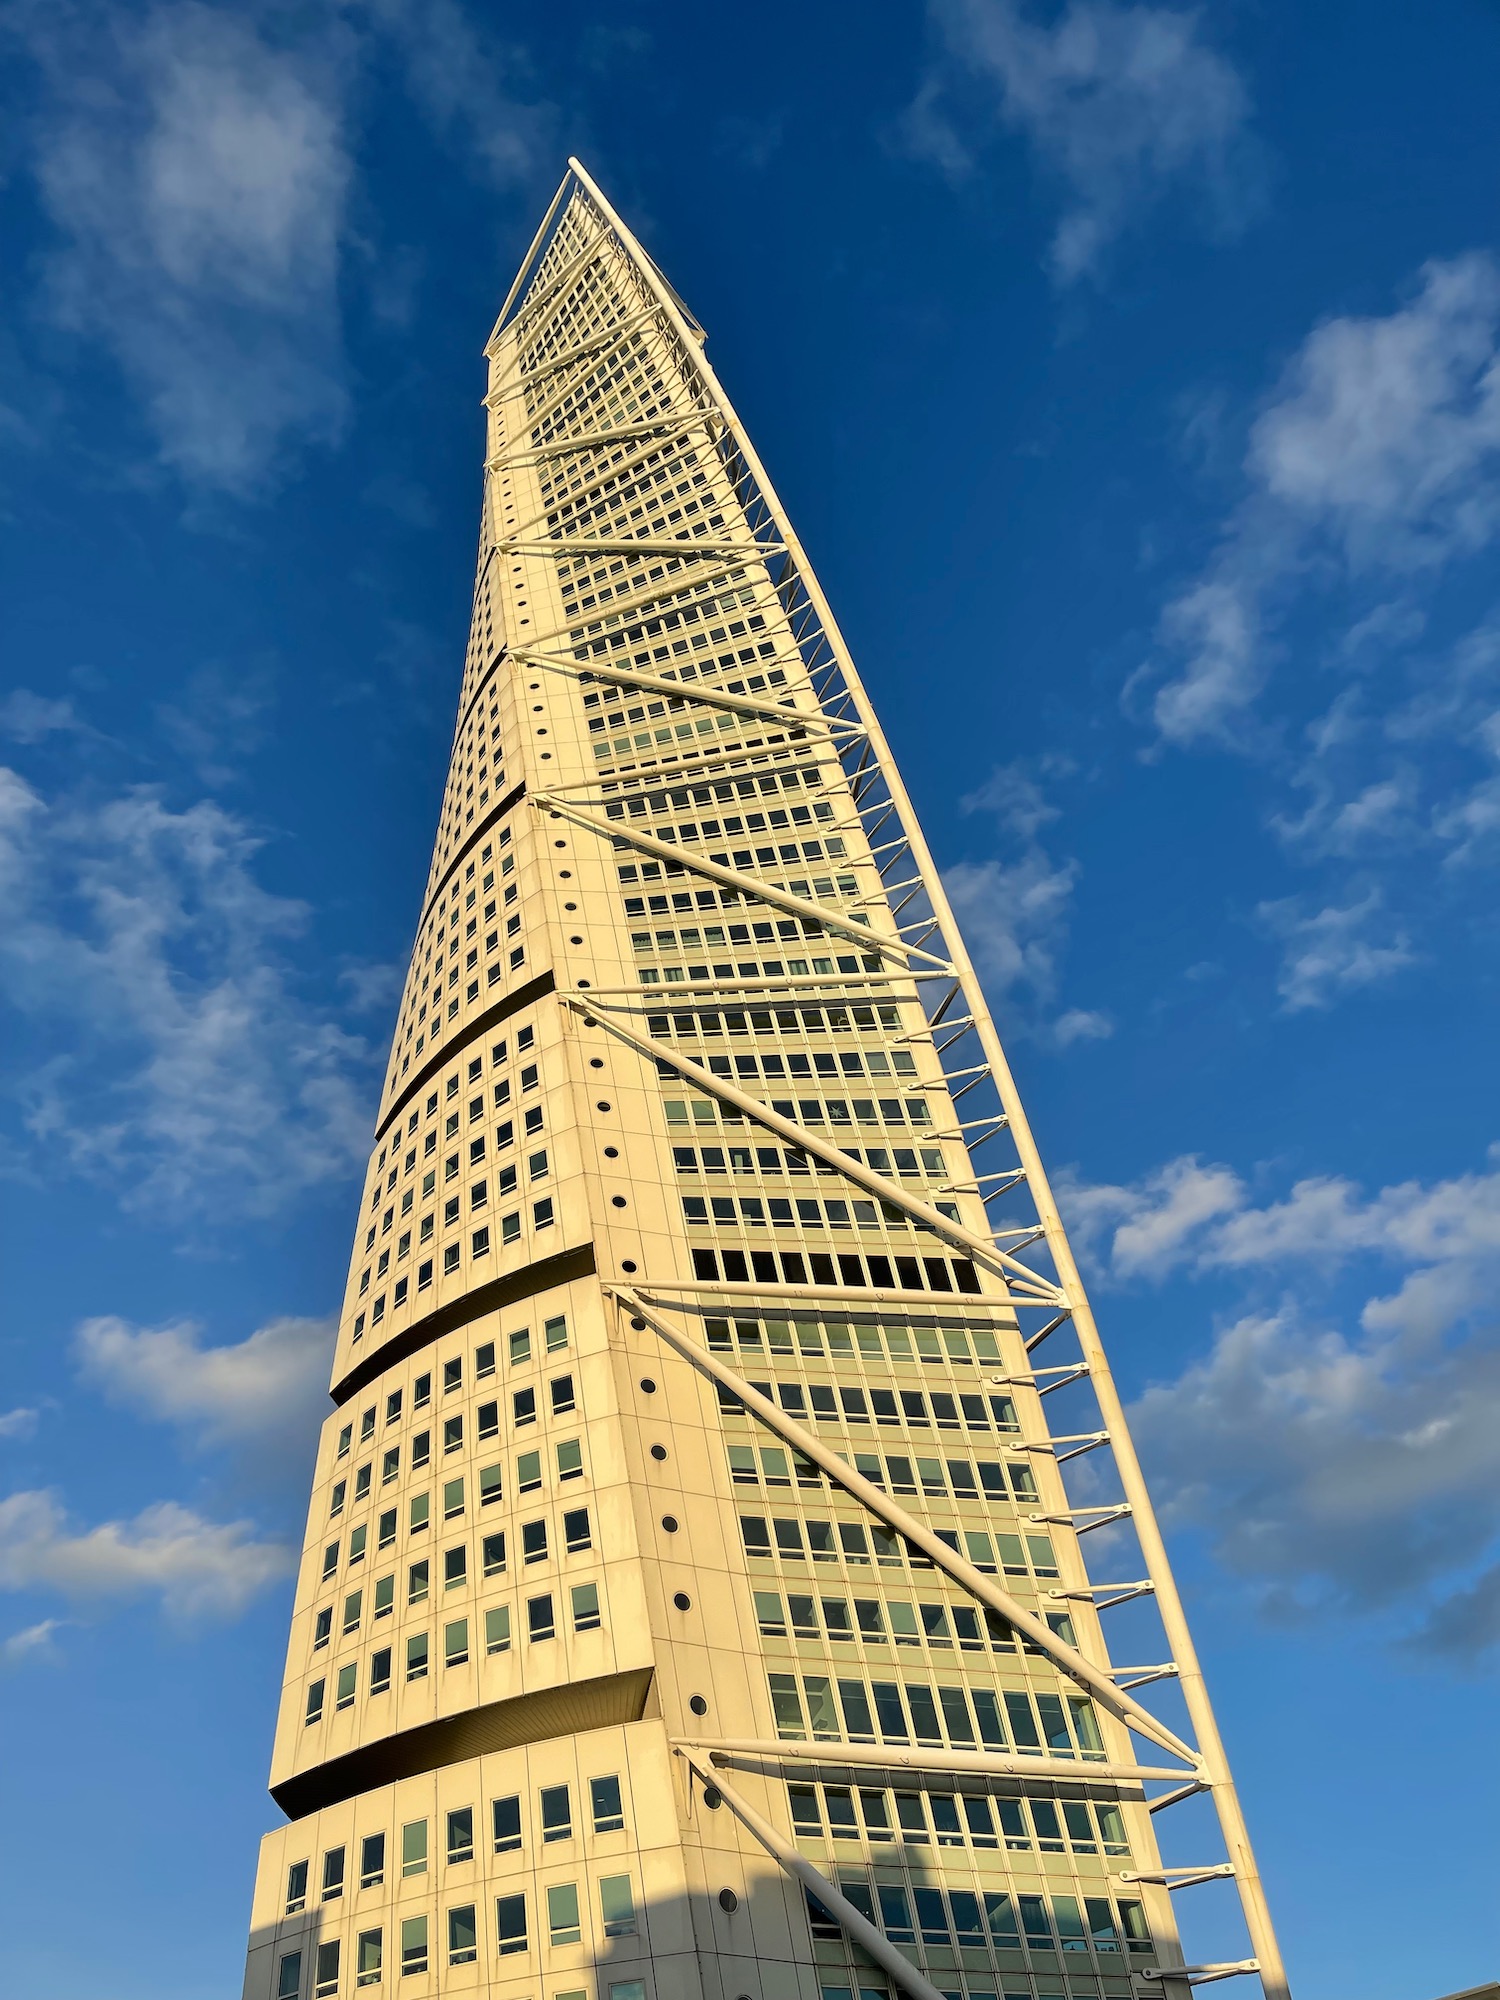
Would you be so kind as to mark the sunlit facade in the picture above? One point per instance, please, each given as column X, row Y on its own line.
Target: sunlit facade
column 695, row 1597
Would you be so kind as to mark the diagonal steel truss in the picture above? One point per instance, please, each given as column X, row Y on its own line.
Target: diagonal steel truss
column 919, row 948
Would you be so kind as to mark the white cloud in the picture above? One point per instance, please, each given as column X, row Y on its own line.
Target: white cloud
column 1014, row 913
column 196, row 1568
column 35, row 1643
column 1348, row 1467
column 466, row 84
column 168, row 1047
column 1335, row 951
column 1377, row 456
column 1122, row 104
column 18, row 1423
column 195, row 166
column 268, row 1392
column 30, row 718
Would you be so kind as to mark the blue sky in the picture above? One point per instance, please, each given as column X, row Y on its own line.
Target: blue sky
column 1133, row 377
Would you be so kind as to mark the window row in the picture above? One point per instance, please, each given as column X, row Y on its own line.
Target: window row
column 881, row 1621
column 518, row 1351
column 946, row 1917
column 848, row 1405
column 803, row 1213
column 768, row 968
column 784, row 1019
column 583, row 1606
column 959, row 1718
column 455, row 1561
column 845, row 1268
column 503, row 1138
column 957, row 1819
column 905, row 1162
column 768, row 1465
column 523, row 1406
column 939, row 1342
column 628, row 628
column 813, row 851
column 554, row 1822
column 565, row 1925
column 852, row 1543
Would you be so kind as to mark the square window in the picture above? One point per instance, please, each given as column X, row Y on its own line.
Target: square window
column 534, row 1541
column 489, row 1420
column 562, row 1395
column 528, row 1472
column 414, row 1847
column 570, row 1459
column 479, row 1243
column 541, row 1214
column 494, row 1554
column 604, row 1802
column 489, row 1484
column 556, row 1331
column 576, row 1530
column 510, row 1229
column 520, row 1347
column 523, row 1407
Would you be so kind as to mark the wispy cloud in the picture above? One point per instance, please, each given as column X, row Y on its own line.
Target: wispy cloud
column 1348, row 1467
column 1123, row 105
column 1375, row 459
column 1331, row 952
column 1014, row 911
column 263, row 1397
column 196, row 168
column 168, row 1048
column 193, row 1567
column 19, row 1423
column 36, row 1642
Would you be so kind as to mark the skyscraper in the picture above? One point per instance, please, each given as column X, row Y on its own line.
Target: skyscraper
column 696, row 1595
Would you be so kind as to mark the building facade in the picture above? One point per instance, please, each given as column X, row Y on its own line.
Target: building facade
column 695, row 1601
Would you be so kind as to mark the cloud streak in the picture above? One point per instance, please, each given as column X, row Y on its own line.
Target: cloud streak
column 168, row 1049
column 1122, row 105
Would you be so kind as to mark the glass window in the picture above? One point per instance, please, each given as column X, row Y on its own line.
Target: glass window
column 463, row 1936
column 586, row 1615
column 529, row 1471
column 570, row 1459
column 456, row 1642
column 617, row 1906
column 461, row 1834
column 326, row 1975
column 605, row 1804
column 413, row 1944
column 414, row 1847
column 289, row 1976
column 416, row 1582
column 371, row 1860
column 296, row 1887
column 540, row 1623
column 416, row 1657
column 497, row 1629
column 506, row 1815
column 562, row 1913
column 367, row 1959
column 557, row 1813
column 510, row 1924
column 333, row 1874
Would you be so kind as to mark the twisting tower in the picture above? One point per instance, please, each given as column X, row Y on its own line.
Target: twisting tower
column 695, row 1602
